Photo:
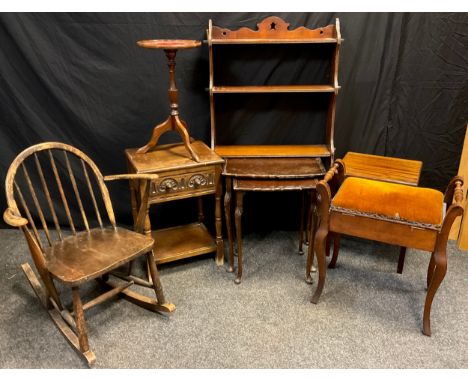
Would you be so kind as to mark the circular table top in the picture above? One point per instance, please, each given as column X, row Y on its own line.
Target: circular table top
column 169, row 44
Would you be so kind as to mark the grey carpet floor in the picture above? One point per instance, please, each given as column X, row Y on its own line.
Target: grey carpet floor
column 368, row 316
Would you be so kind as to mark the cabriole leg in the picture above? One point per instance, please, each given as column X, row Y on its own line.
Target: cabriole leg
column 301, row 227
column 227, row 213
column 430, row 270
column 437, row 277
column 336, row 250
column 401, row 260
column 320, row 244
column 238, row 213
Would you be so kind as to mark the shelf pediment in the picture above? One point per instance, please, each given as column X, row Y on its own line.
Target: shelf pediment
column 274, row 29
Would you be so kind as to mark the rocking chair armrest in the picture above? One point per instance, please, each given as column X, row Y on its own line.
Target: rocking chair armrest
column 14, row 220
column 131, row 177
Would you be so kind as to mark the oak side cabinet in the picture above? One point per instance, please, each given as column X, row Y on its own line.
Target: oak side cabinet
column 180, row 177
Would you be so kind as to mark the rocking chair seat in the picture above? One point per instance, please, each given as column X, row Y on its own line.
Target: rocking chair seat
column 88, row 255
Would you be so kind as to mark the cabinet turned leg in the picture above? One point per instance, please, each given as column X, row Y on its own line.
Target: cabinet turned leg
column 147, row 224
column 227, row 213
column 440, row 259
column 401, row 260
column 201, row 217
column 218, row 221
column 238, row 213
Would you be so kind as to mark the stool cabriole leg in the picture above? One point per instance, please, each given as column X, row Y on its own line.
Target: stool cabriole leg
column 440, row 270
column 401, row 260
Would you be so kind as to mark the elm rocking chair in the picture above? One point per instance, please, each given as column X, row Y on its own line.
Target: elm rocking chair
column 82, row 256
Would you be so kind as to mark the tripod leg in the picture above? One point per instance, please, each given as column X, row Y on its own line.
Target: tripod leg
column 181, row 128
column 157, row 132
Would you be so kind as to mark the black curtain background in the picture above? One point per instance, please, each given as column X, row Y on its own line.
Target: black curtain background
column 81, row 79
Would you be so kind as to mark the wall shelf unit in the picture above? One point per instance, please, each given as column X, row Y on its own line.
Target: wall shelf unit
column 270, row 167
column 274, row 30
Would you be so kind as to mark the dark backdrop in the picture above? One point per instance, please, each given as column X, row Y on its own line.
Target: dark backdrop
column 81, row 79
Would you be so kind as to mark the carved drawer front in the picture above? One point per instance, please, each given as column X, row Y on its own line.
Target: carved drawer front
column 190, row 183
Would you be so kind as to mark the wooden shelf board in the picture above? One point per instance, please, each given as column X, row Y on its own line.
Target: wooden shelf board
column 180, row 242
column 300, row 151
column 275, row 89
column 327, row 40
column 263, row 185
column 274, row 168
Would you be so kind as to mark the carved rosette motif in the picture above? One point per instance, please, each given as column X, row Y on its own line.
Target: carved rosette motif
column 182, row 183
column 197, row 180
column 168, row 184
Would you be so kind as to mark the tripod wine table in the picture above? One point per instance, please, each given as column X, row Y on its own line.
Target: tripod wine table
column 185, row 170
column 173, row 122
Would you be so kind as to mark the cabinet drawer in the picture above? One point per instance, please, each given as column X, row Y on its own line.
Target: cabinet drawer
column 175, row 186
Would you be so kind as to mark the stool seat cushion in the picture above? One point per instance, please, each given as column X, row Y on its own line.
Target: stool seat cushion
column 390, row 201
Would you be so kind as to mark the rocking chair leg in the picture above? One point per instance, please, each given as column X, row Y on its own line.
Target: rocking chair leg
column 50, row 289
column 401, row 260
column 56, row 317
column 80, row 321
column 155, row 305
column 439, row 274
column 41, row 293
column 130, row 268
column 157, row 286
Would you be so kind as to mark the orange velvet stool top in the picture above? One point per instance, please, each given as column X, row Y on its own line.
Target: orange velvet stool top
column 395, row 201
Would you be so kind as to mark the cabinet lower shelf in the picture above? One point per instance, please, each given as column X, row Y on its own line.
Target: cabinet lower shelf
column 180, row 242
